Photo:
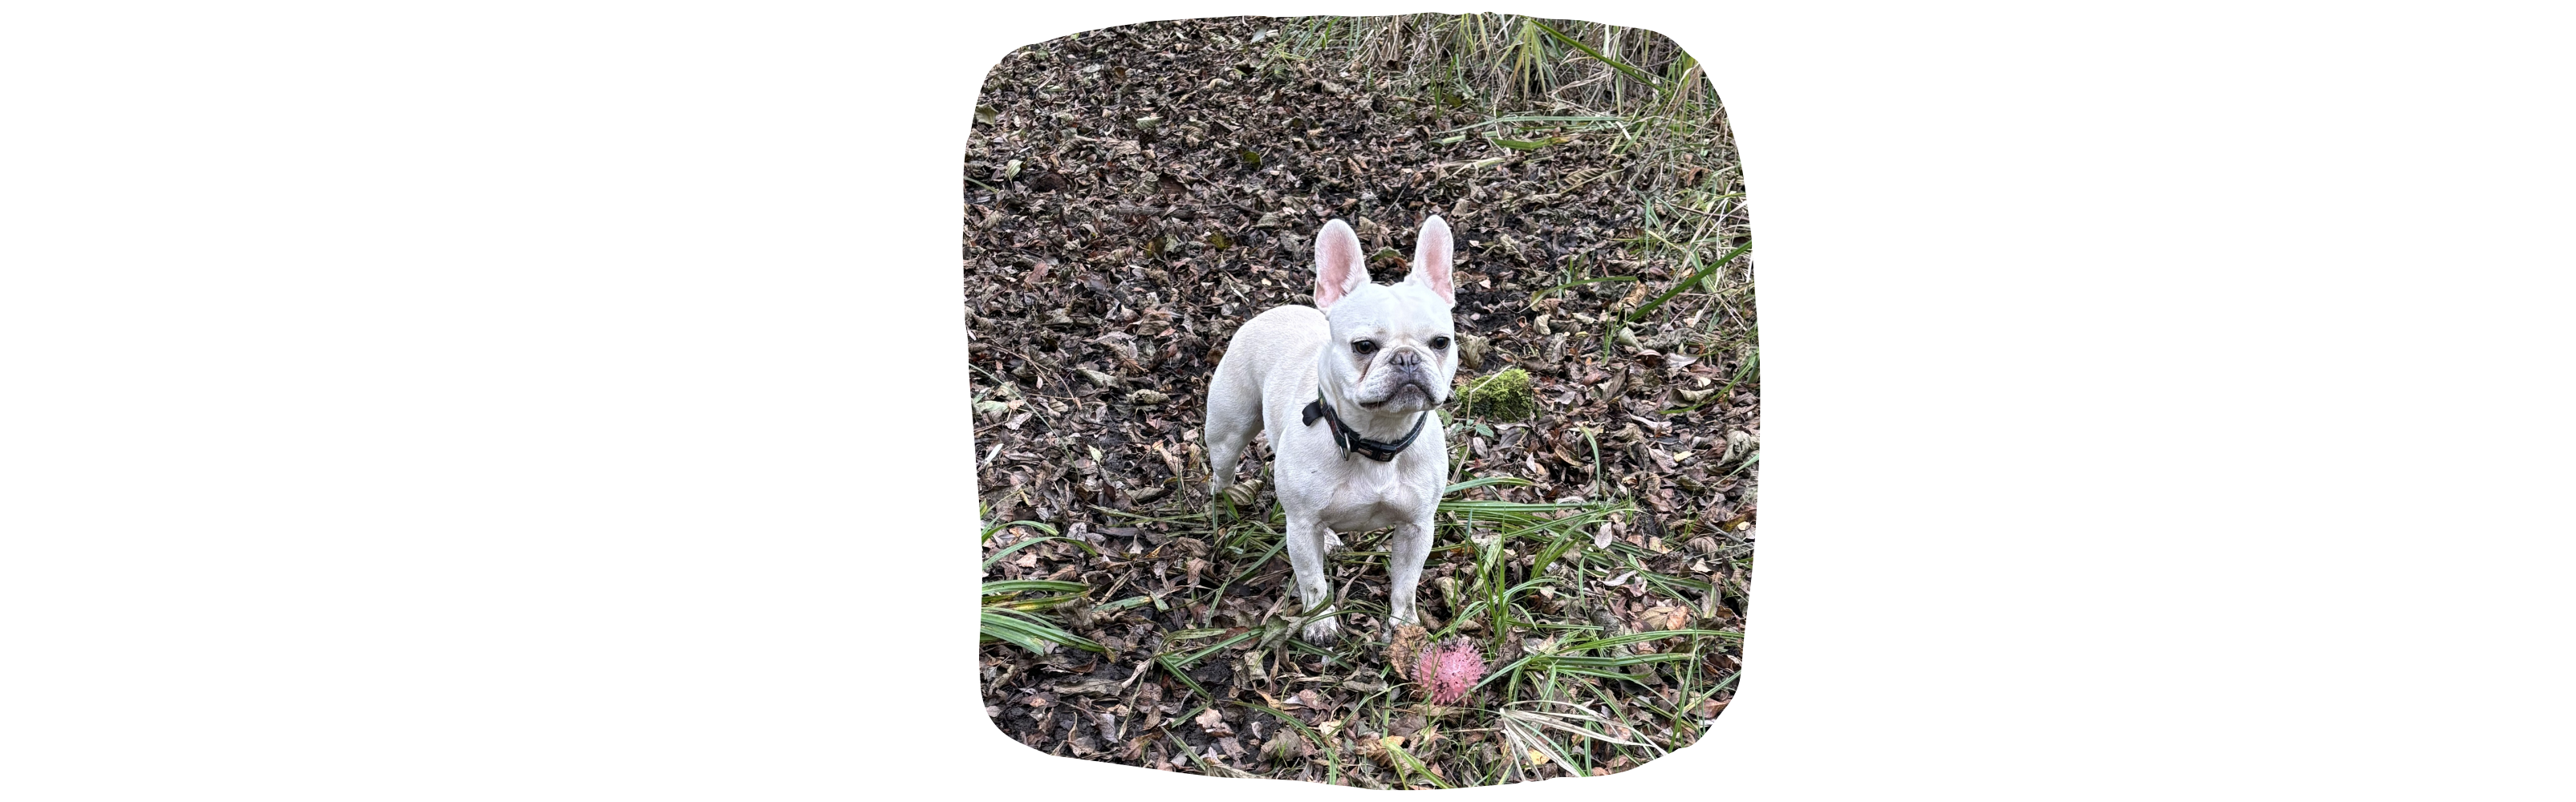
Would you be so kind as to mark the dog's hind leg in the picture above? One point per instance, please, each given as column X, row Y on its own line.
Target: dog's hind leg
column 1233, row 415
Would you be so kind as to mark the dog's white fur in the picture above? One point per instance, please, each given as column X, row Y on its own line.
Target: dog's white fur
column 1278, row 361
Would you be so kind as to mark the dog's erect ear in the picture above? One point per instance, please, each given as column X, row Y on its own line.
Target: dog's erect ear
column 1339, row 268
column 1431, row 260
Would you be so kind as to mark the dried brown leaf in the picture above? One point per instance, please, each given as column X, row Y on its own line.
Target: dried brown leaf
column 1214, row 723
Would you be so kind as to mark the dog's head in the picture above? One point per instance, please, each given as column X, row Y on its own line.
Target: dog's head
column 1393, row 347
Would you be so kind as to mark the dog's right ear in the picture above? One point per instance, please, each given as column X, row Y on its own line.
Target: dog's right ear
column 1339, row 268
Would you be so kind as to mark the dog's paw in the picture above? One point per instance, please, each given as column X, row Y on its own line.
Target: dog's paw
column 1323, row 630
column 1402, row 619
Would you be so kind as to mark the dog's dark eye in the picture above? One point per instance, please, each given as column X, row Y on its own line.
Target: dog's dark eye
column 1439, row 343
column 1364, row 347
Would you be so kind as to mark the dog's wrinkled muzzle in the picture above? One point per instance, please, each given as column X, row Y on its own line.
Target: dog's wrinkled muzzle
column 1413, row 371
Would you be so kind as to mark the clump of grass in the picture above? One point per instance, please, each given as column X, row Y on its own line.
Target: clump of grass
column 1525, row 84
column 1012, row 608
column 1570, row 681
column 1570, row 688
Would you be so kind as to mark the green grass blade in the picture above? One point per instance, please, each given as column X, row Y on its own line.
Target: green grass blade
column 1502, row 508
column 1499, row 673
column 1025, row 585
column 1538, row 119
column 1002, row 629
column 1041, row 603
column 1751, row 364
column 1332, row 757
column 1525, row 735
column 988, row 533
column 1202, row 654
column 1006, row 550
column 1683, row 410
column 1596, row 448
column 1255, row 565
column 1525, row 144
column 1202, row 763
column 1026, row 631
column 1165, row 661
column 1685, row 284
column 1563, row 543
column 1516, row 590
column 1485, row 481
column 1641, row 637
column 1616, row 64
column 1580, row 661
column 1418, row 767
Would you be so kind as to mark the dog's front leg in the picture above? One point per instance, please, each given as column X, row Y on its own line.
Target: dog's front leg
column 1306, row 542
column 1408, row 547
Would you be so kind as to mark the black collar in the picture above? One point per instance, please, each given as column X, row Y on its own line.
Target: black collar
column 1349, row 439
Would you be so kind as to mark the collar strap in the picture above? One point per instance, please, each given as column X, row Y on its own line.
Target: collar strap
column 1349, row 439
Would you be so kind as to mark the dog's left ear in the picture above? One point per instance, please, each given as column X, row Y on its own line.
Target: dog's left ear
column 1431, row 260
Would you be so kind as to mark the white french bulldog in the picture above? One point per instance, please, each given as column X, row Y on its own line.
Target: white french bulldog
column 1346, row 389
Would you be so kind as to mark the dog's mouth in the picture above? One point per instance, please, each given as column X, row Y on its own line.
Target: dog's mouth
column 1412, row 390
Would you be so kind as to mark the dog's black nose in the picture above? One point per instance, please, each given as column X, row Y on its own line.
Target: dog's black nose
column 1405, row 358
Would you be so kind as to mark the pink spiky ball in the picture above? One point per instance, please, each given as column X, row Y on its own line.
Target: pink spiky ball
column 1447, row 670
